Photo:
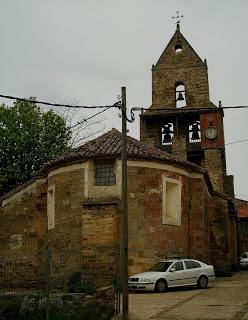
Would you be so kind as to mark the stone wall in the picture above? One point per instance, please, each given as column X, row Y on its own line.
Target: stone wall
column 222, row 249
column 199, row 208
column 23, row 228
column 23, row 219
column 213, row 163
column 100, row 245
column 86, row 236
column 184, row 66
column 69, row 196
column 85, row 228
column 149, row 239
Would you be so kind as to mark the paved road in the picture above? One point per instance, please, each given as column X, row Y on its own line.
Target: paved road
column 226, row 298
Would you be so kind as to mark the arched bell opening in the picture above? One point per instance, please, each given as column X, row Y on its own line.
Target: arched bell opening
column 194, row 135
column 195, row 132
column 180, row 95
column 167, row 133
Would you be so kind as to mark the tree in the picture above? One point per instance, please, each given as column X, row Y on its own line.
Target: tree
column 28, row 139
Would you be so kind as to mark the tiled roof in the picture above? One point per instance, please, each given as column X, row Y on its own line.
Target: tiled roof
column 109, row 145
column 180, row 112
column 242, row 208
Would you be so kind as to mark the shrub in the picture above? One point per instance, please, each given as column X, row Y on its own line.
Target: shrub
column 75, row 285
column 33, row 307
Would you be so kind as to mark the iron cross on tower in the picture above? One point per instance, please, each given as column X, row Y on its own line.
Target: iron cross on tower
column 177, row 17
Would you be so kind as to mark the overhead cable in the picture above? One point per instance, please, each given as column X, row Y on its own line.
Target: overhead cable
column 116, row 105
column 91, row 117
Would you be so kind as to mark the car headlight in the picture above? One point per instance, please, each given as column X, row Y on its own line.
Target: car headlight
column 144, row 280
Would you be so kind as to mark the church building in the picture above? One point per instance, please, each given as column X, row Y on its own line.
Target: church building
column 180, row 199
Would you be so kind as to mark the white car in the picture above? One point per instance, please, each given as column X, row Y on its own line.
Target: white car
column 243, row 260
column 173, row 273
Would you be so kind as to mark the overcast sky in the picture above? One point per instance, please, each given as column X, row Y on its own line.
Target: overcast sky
column 83, row 51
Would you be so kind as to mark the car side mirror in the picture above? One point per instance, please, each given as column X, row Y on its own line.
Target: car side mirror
column 172, row 270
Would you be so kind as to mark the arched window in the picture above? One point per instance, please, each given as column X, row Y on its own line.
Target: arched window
column 180, row 95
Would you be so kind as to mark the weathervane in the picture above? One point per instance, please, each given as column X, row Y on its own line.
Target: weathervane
column 177, row 17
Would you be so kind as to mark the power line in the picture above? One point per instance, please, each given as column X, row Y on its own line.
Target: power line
column 91, row 117
column 188, row 109
column 236, row 142
column 115, row 105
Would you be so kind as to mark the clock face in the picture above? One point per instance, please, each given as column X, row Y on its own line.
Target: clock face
column 211, row 133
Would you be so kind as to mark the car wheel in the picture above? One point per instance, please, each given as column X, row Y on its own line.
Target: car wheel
column 160, row 286
column 202, row 282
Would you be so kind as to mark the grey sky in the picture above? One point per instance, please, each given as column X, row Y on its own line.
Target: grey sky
column 84, row 50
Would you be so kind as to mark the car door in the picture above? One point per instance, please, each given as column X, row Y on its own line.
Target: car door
column 176, row 274
column 192, row 271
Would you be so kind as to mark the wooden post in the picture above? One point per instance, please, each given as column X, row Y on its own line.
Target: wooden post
column 124, row 213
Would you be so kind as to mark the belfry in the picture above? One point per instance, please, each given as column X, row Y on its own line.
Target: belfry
column 182, row 120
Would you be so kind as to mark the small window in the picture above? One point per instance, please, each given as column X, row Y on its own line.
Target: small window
column 192, row 264
column 178, row 266
column 178, row 48
column 105, row 173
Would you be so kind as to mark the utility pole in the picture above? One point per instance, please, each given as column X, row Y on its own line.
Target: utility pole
column 47, row 276
column 124, row 211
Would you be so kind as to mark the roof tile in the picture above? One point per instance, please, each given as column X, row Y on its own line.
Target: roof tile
column 110, row 145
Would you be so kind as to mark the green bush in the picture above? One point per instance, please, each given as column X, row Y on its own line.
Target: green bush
column 10, row 307
column 31, row 307
column 75, row 285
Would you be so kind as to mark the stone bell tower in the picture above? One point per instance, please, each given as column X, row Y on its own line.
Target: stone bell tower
column 182, row 120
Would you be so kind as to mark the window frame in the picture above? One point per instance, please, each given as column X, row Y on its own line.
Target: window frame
column 178, row 262
column 194, row 262
column 104, row 173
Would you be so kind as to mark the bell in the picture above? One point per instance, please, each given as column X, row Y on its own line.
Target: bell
column 195, row 135
column 180, row 96
column 195, row 131
column 167, row 138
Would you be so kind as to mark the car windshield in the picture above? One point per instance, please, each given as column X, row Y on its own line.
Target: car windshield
column 161, row 266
